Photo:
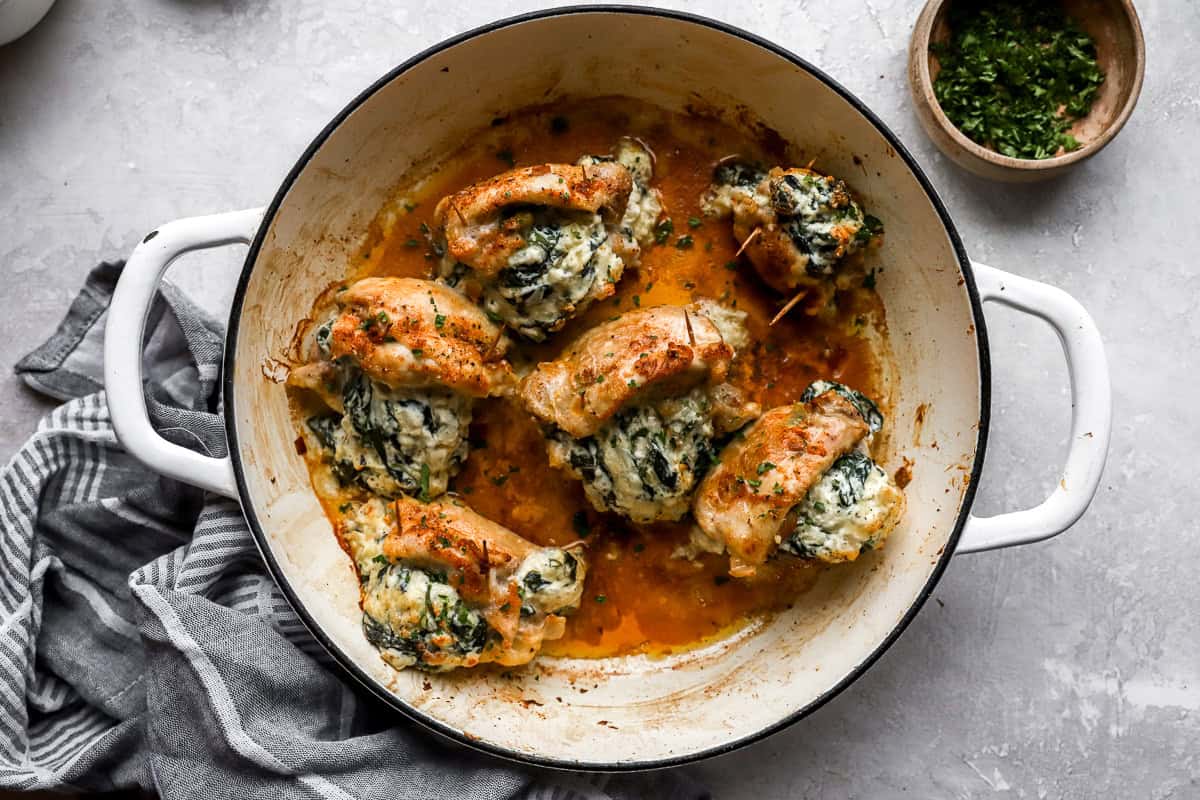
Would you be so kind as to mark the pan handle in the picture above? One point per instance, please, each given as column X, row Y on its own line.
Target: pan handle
column 1091, row 414
column 123, row 341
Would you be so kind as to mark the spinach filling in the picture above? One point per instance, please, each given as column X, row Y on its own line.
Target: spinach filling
column 323, row 338
column 739, row 174
column 833, row 511
column 812, row 210
column 565, row 256
column 416, row 618
column 645, row 462
column 395, row 441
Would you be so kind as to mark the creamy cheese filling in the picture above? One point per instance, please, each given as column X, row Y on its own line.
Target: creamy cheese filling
column 845, row 513
column 644, row 206
column 550, row 581
column 412, row 614
column 566, row 261
column 729, row 322
column 646, row 461
column 396, row 441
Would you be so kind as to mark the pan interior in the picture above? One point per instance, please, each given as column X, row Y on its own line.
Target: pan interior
column 635, row 710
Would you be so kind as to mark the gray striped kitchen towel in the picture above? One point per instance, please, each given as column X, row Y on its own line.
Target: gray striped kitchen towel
column 141, row 643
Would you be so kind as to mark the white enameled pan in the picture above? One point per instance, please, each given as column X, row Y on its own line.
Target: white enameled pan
column 632, row 712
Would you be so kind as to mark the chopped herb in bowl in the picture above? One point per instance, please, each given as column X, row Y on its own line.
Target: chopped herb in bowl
column 1015, row 75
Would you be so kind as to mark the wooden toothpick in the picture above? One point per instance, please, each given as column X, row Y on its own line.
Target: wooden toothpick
column 789, row 306
column 746, row 243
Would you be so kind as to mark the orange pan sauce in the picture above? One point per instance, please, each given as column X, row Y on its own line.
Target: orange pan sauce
column 637, row 598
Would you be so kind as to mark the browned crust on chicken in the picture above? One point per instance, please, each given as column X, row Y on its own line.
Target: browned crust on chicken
column 652, row 352
column 481, row 558
column 470, row 218
column 407, row 332
column 447, row 534
column 801, row 442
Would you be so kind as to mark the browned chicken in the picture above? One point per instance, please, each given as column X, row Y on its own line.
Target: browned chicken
column 651, row 352
column 414, row 333
column 633, row 408
column 444, row 587
column 794, row 481
column 399, row 365
column 536, row 245
column 478, row 233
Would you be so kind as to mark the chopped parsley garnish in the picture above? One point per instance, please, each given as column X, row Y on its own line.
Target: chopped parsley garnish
column 439, row 320
column 731, row 266
column 694, row 222
column 412, row 243
column 601, row 598
column 663, row 231
column 1015, row 75
column 765, row 466
column 684, row 242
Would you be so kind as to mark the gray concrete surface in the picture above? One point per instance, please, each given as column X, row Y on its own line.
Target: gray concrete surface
column 1069, row 668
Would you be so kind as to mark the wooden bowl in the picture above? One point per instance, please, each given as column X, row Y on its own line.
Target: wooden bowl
column 1120, row 50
